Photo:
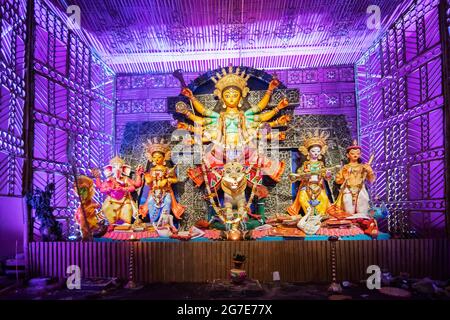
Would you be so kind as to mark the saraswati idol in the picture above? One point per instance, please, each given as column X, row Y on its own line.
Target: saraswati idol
column 313, row 175
column 232, row 134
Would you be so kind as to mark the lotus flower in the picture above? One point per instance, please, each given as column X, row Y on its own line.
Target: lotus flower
column 314, row 202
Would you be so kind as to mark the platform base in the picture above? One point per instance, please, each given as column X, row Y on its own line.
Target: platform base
column 295, row 260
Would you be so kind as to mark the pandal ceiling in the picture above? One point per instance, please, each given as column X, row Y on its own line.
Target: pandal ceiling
column 196, row 35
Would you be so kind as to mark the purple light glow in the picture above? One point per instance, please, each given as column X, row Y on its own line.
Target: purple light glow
column 12, row 98
column 399, row 84
column 74, row 112
column 199, row 35
column 80, row 106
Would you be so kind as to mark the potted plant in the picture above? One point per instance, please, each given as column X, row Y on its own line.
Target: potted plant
column 238, row 260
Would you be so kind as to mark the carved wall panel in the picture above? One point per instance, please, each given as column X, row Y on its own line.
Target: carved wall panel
column 399, row 84
column 12, row 95
column 73, row 112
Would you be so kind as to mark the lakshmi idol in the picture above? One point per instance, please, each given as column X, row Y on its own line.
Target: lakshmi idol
column 160, row 201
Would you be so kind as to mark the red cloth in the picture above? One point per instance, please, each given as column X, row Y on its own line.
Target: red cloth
column 212, row 234
column 256, row 234
column 125, row 236
column 352, row 231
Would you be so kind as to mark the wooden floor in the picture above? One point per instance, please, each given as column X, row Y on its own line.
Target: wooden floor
column 296, row 261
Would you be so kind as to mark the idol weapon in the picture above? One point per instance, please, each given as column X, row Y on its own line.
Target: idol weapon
column 177, row 74
column 74, row 172
column 293, row 177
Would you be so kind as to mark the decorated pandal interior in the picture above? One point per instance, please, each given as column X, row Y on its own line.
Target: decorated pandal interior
column 173, row 135
column 235, row 176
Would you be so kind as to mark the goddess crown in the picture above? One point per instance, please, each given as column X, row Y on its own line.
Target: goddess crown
column 227, row 79
column 354, row 146
column 157, row 145
column 315, row 139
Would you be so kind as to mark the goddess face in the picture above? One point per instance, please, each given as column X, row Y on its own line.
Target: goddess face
column 231, row 96
column 354, row 155
column 314, row 152
column 158, row 158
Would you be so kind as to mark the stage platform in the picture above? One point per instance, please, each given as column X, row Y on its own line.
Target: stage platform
column 296, row 261
column 381, row 236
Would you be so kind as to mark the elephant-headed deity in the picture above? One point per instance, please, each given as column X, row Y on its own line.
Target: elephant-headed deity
column 118, row 186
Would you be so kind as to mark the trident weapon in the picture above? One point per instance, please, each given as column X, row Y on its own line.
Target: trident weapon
column 372, row 156
column 178, row 74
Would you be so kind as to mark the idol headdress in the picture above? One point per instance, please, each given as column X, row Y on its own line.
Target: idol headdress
column 315, row 139
column 157, row 145
column 354, row 146
column 231, row 79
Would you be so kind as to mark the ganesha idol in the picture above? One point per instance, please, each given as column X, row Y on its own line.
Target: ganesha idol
column 119, row 204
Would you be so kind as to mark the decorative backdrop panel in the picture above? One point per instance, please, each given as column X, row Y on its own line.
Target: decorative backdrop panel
column 143, row 97
column 12, row 95
column 196, row 35
column 399, row 85
column 74, row 111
